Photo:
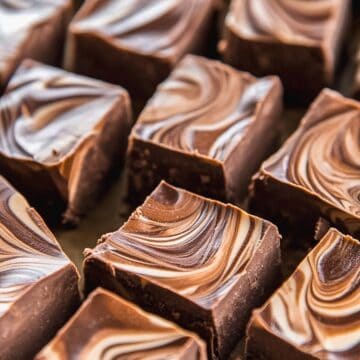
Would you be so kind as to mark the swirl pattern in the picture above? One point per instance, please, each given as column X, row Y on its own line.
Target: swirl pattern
column 121, row 331
column 149, row 26
column 283, row 20
column 197, row 247
column 323, row 156
column 203, row 107
column 318, row 308
column 28, row 250
column 47, row 113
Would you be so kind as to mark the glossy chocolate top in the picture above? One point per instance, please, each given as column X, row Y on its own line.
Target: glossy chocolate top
column 152, row 27
column 17, row 19
column 28, row 250
column 317, row 310
column 323, row 156
column 288, row 21
column 204, row 107
column 194, row 246
column 107, row 327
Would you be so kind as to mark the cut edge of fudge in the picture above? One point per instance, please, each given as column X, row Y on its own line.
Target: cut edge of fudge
column 231, row 183
column 219, row 324
column 38, row 304
column 267, row 341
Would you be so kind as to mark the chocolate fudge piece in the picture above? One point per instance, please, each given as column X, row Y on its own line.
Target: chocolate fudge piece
column 31, row 28
column 315, row 313
column 200, row 128
column 299, row 41
column 317, row 171
column 108, row 327
column 60, row 135
column 136, row 43
column 38, row 283
column 200, row 263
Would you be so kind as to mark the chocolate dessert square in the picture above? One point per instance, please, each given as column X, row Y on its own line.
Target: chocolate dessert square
column 38, row 283
column 316, row 173
column 200, row 128
column 108, row 327
column 299, row 41
column 136, row 43
column 61, row 134
column 34, row 29
column 197, row 262
column 315, row 314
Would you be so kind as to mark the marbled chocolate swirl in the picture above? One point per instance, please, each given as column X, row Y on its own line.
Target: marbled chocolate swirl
column 318, row 309
column 323, row 156
column 197, row 247
column 283, row 20
column 109, row 328
column 28, row 250
column 204, row 107
column 147, row 26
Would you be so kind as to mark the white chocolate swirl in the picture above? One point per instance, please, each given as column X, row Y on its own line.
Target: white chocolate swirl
column 147, row 26
column 283, row 20
column 204, row 107
column 47, row 113
column 317, row 309
column 28, row 250
column 323, row 155
column 197, row 247
column 120, row 331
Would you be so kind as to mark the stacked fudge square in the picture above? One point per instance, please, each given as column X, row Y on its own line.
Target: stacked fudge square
column 197, row 267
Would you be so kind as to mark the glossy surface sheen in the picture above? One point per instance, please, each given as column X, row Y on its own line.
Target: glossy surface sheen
column 147, row 26
column 47, row 114
column 108, row 327
column 283, row 20
column 318, row 308
column 204, row 107
column 196, row 247
column 17, row 18
column 323, row 156
column 28, row 250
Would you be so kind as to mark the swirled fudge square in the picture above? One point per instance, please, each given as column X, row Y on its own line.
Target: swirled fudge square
column 31, row 28
column 61, row 136
column 200, row 128
column 136, row 43
column 298, row 40
column 315, row 314
column 108, row 327
column 38, row 283
column 316, row 172
column 200, row 263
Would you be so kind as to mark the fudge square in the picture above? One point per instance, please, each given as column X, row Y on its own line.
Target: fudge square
column 33, row 29
column 316, row 173
column 136, row 43
column 38, row 283
column 207, row 129
column 61, row 134
column 197, row 262
column 298, row 40
column 315, row 314
column 108, row 327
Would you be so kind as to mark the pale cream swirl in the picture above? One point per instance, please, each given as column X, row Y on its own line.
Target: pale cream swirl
column 318, row 308
column 196, row 247
column 283, row 20
column 28, row 250
column 204, row 107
